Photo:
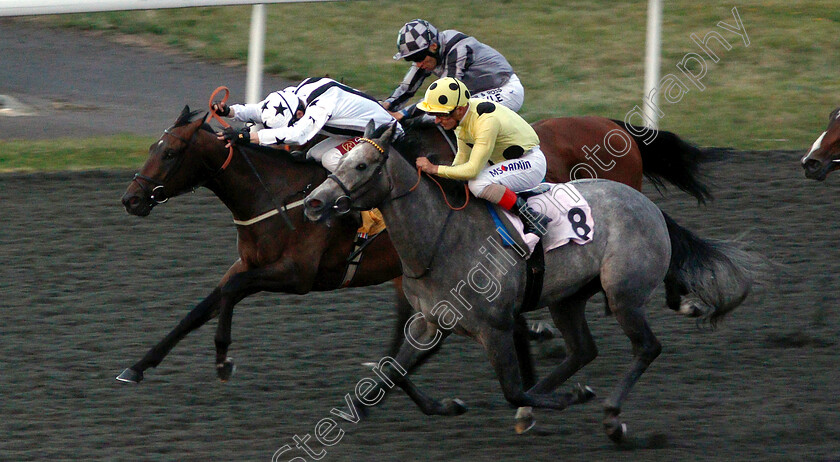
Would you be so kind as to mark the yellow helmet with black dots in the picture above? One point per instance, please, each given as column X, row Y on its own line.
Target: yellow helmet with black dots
column 444, row 95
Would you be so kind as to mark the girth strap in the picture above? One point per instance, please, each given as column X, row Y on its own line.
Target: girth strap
column 534, row 276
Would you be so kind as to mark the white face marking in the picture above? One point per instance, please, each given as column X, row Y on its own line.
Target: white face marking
column 160, row 142
column 814, row 147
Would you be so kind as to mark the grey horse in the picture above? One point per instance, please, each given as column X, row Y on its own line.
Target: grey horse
column 459, row 280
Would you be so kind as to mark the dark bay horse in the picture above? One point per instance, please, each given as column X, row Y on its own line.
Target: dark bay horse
column 824, row 155
column 274, row 258
column 634, row 246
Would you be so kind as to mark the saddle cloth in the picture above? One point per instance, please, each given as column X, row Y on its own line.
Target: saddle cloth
column 571, row 218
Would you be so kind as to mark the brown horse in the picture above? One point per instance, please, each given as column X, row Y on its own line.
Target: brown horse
column 824, row 155
column 276, row 257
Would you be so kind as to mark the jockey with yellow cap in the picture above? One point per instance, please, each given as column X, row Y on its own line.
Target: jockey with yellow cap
column 498, row 151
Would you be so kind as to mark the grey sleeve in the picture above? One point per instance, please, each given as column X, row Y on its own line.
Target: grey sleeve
column 408, row 87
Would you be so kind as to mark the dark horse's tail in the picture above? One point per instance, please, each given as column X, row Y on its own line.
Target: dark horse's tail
column 669, row 158
column 720, row 273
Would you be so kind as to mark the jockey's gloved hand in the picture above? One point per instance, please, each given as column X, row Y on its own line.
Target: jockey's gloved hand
column 237, row 135
column 220, row 108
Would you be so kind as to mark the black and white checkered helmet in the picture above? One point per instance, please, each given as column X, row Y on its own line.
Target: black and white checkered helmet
column 416, row 35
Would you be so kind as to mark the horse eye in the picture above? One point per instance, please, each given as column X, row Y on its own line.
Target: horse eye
column 169, row 153
column 361, row 166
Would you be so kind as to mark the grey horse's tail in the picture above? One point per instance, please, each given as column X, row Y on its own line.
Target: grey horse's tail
column 670, row 158
column 720, row 273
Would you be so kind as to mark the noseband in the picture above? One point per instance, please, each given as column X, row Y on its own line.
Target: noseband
column 348, row 192
column 158, row 193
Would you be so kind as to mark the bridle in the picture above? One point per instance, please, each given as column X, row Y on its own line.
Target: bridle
column 157, row 193
column 343, row 204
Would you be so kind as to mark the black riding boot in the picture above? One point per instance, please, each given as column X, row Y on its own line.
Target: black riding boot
column 298, row 156
column 534, row 222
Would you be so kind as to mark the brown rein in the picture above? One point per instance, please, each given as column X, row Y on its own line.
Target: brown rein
column 419, row 176
column 445, row 199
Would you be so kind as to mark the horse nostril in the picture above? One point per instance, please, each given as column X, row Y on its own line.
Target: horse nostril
column 314, row 204
column 130, row 202
column 811, row 164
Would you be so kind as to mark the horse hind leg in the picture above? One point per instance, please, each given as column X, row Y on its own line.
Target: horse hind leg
column 645, row 350
column 674, row 293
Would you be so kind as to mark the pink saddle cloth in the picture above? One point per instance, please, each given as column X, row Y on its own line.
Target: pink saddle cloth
column 571, row 218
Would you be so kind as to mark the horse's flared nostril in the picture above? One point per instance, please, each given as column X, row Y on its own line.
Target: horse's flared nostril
column 811, row 165
column 314, row 204
column 130, row 202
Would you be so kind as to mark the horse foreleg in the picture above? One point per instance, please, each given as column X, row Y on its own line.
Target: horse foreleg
column 279, row 277
column 203, row 312
column 427, row 404
column 569, row 317
column 425, row 341
column 404, row 310
column 503, row 356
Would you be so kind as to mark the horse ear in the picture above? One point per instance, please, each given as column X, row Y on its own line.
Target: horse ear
column 185, row 113
column 369, row 128
column 833, row 115
column 388, row 136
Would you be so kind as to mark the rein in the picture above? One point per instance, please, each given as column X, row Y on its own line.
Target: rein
column 442, row 192
column 212, row 114
column 277, row 209
column 158, row 186
column 419, row 176
column 428, row 266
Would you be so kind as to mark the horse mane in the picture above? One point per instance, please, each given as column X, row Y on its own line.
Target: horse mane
column 410, row 146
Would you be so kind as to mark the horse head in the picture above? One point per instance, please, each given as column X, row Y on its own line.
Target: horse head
column 358, row 182
column 177, row 163
column 824, row 155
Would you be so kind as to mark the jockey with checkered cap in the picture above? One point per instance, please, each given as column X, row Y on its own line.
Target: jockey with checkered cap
column 486, row 73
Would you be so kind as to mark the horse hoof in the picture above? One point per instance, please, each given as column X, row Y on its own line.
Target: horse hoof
column 583, row 393
column 617, row 432
column 690, row 309
column 225, row 370
column 455, row 407
column 542, row 331
column 130, row 376
column 524, row 420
